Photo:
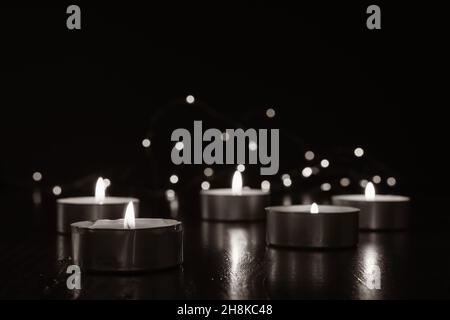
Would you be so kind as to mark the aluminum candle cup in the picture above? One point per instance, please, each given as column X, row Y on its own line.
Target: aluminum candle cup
column 383, row 212
column 70, row 210
column 106, row 246
column 225, row 205
column 296, row 226
column 235, row 204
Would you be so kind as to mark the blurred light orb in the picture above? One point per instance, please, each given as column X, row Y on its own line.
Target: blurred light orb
column 265, row 185
column 285, row 176
column 270, row 113
column 376, row 179
column 173, row 179
column 307, row 172
column 170, row 195
column 107, row 182
column 309, row 155
column 324, row 163
column 345, row 182
column 287, row 182
column 363, row 183
column 241, row 168
column 37, row 176
column 325, row 187
column 208, row 172
column 253, row 146
column 391, row 181
column 179, row 145
column 205, row 185
column 190, row 99
column 359, row 152
column 146, row 143
column 57, row 190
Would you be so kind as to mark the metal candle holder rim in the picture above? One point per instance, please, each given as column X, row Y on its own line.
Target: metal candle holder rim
column 245, row 192
column 86, row 224
column 119, row 200
column 394, row 198
column 292, row 210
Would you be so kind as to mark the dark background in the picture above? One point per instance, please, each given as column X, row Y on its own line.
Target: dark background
column 77, row 104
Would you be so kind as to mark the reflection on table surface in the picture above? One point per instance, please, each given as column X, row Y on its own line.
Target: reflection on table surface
column 232, row 261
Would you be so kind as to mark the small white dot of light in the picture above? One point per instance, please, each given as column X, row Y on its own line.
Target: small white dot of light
column 359, row 152
column 309, row 155
column 173, row 178
column 307, row 172
column 285, row 176
column 107, row 182
column 190, row 99
column 57, row 190
column 270, row 113
column 37, row 176
column 391, row 181
column 287, row 182
column 170, row 195
column 208, row 172
column 225, row 136
column 146, row 143
column 363, row 183
column 205, row 185
column 376, row 179
column 179, row 145
column 324, row 163
column 345, row 182
column 241, row 168
column 253, row 146
column 325, row 187
column 265, row 185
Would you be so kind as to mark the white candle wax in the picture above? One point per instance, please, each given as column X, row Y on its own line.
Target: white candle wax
column 378, row 211
column 235, row 204
column 141, row 223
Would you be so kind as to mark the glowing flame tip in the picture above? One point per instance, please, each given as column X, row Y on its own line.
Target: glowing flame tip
column 100, row 188
column 314, row 208
column 236, row 185
column 129, row 222
column 370, row 192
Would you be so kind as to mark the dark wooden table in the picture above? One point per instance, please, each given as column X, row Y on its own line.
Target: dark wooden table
column 231, row 261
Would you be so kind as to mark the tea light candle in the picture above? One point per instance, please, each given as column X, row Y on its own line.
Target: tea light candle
column 127, row 245
column 70, row 210
column 312, row 226
column 378, row 212
column 235, row 204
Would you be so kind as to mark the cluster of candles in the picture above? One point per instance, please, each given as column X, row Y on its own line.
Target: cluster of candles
column 104, row 241
column 308, row 226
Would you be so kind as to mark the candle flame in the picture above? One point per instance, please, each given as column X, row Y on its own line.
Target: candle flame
column 129, row 222
column 370, row 192
column 100, row 188
column 236, row 185
column 314, row 208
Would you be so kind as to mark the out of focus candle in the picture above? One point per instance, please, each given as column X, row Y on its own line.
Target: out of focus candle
column 378, row 212
column 235, row 204
column 70, row 210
